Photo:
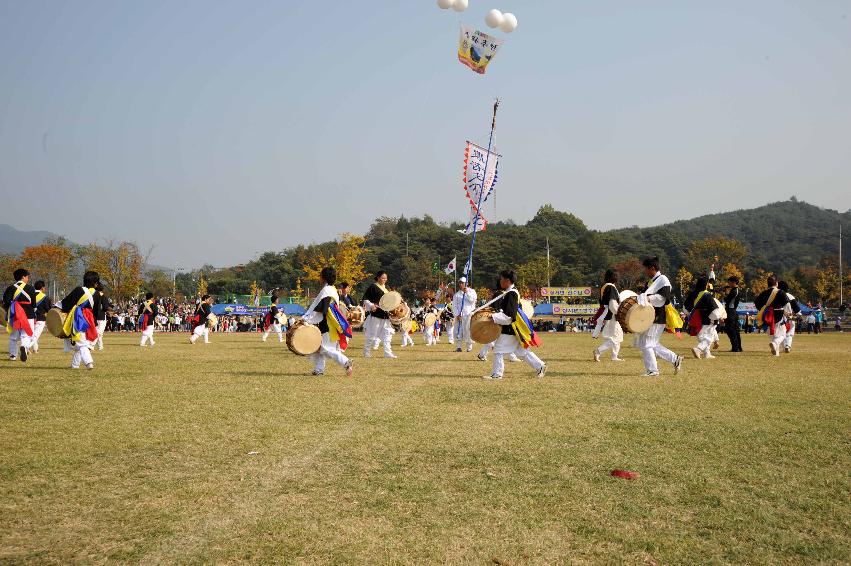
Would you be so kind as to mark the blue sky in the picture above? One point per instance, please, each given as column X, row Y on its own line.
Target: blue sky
column 217, row 130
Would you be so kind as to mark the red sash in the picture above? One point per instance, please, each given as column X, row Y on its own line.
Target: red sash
column 20, row 321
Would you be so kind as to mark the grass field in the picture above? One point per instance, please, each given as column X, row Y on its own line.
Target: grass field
column 230, row 452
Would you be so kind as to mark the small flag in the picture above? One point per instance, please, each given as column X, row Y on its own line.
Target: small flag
column 452, row 265
column 467, row 268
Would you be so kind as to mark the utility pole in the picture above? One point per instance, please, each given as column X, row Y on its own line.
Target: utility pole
column 548, row 268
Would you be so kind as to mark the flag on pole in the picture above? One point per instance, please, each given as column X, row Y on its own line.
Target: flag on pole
column 467, row 268
column 451, row 267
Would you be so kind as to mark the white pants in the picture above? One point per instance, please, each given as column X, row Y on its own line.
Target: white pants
column 328, row 350
column 40, row 325
column 20, row 336
column 509, row 344
column 407, row 340
column 790, row 334
column 428, row 335
column 101, row 329
column 450, row 332
column 462, row 331
column 201, row 330
column 276, row 328
column 82, row 353
column 378, row 330
column 779, row 336
column 612, row 337
column 706, row 337
column 650, row 347
column 147, row 334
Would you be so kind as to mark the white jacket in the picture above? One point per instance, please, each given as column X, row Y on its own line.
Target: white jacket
column 469, row 298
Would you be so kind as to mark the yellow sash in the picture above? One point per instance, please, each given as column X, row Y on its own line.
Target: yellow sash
column 68, row 328
column 19, row 290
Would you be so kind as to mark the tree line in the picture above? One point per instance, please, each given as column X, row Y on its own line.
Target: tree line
column 414, row 252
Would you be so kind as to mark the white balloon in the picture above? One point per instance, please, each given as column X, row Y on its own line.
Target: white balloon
column 493, row 18
column 509, row 23
column 444, row 4
column 460, row 5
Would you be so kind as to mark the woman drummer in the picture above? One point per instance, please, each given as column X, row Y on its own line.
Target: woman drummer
column 318, row 316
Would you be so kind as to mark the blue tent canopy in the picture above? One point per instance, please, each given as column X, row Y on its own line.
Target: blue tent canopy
column 247, row 310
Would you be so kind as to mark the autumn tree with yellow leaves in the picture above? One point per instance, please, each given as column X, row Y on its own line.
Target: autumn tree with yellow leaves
column 347, row 259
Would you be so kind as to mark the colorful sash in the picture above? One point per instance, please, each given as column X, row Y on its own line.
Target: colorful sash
column 339, row 329
column 695, row 323
column 17, row 317
column 766, row 313
column 145, row 319
column 80, row 322
column 522, row 327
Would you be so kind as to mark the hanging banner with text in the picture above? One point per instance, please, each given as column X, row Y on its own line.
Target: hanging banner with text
column 572, row 292
column 561, row 309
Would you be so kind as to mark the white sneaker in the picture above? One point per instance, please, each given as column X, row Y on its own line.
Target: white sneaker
column 773, row 349
column 678, row 365
column 696, row 352
column 709, row 356
column 596, row 356
column 494, row 376
column 651, row 374
column 541, row 372
column 513, row 358
column 90, row 366
column 482, row 358
column 350, row 368
column 391, row 356
column 469, row 348
column 787, row 349
column 617, row 359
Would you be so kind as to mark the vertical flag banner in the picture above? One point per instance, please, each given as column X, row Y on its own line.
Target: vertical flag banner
column 478, row 183
column 476, row 49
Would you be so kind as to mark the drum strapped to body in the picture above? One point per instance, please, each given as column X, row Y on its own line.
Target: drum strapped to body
column 429, row 320
column 389, row 301
column 483, row 329
column 633, row 317
column 55, row 322
column 356, row 316
column 719, row 313
column 2, row 317
column 400, row 314
column 303, row 339
column 212, row 320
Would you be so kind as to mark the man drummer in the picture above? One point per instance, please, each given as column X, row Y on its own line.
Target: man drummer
column 101, row 313
column 80, row 327
column 19, row 302
column 701, row 303
column 271, row 322
column 447, row 316
column 429, row 331
column 731, row 305
column 791, row 310
column 377, row 327
column 658, row 294
column 199, row 320
column 508, row 316
column 771, row 307
column 607, row 324
column 463, row 305
column 42, row 305
column 483, row 353
column 147, row 316
column 318, row 314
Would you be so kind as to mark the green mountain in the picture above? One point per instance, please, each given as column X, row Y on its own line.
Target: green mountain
column 779, row 237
